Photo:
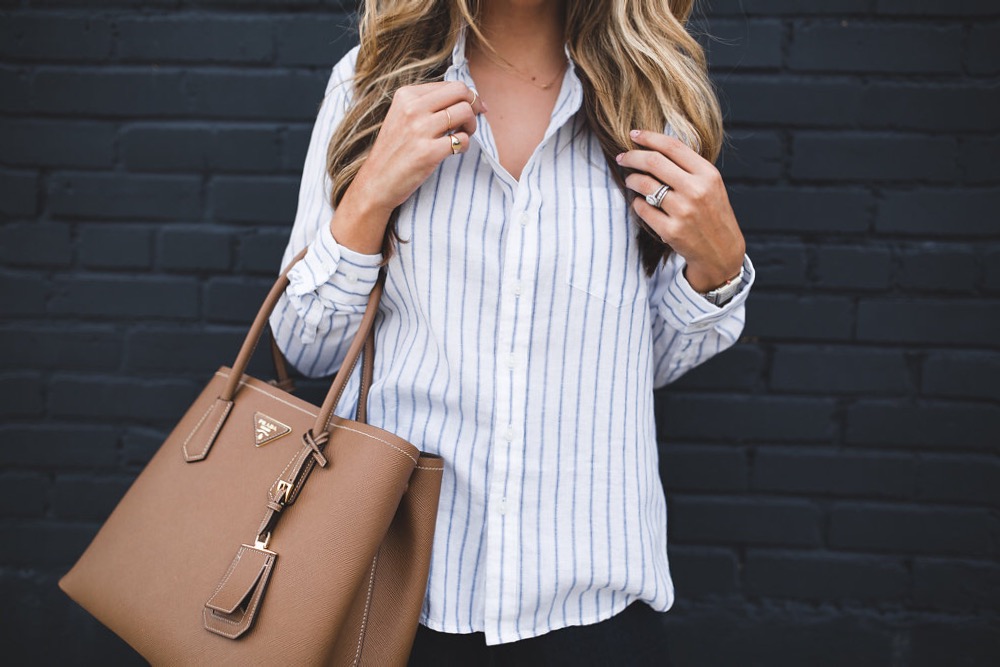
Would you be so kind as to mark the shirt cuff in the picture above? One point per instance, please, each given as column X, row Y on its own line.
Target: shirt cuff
column 335, row 273
column 688, row 311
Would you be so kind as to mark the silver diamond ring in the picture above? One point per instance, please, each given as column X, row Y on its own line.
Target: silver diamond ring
column 657, row 197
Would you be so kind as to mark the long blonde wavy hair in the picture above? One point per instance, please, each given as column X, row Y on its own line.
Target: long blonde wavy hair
column 637, row 62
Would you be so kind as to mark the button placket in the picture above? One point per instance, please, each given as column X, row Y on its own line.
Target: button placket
column 506, row 464
column 511, row 393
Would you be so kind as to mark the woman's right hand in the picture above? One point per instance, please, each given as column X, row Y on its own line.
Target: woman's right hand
column 413, row 140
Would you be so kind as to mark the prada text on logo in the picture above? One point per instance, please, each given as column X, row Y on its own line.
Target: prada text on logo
column 268, row 429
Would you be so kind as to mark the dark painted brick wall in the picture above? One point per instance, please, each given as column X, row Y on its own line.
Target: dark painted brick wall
column 834, row 479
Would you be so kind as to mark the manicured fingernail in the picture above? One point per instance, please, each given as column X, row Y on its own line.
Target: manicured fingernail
column 618, row 158
column 635, row 134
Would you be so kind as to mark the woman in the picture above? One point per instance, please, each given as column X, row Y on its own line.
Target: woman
column 482, row 151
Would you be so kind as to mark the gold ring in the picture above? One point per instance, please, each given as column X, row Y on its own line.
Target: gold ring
column 449, row 119
column 475, row 96
column 456, row 144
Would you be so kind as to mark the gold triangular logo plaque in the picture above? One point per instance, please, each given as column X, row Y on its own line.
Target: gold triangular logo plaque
column 267, row 429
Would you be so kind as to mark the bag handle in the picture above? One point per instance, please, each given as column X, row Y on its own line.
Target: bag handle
column 286, row 488
column 358, row 344
column 199, row 441
column 282, row 378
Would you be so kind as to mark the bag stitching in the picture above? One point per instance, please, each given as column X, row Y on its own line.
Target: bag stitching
column 368, row 603
column 229, row 573
column 277, row 398
column 281, row 475
column 367, row 435
column 373, row 437
column 251, row 613
column 218, row 427
column 340, row 393
column 215, row 432
column 195, row 429
column 307, row 467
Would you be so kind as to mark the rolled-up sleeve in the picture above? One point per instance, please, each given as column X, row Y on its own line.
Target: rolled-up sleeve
column 688, row 329
column 328, row 290
column 330, row 277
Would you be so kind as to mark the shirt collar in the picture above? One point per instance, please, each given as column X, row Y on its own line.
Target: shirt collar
column 458, row 58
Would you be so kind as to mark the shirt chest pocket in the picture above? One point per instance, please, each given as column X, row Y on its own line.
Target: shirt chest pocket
column 603, row 253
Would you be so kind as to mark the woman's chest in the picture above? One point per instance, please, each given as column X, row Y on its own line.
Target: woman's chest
column 517, row 124
column 560, row 236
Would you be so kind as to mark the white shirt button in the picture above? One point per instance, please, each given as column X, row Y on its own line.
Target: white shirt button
column 509, row 434
column 517, row 288
column 503, row 506
column 352, row 277
column 524, row 219
column 511, row 361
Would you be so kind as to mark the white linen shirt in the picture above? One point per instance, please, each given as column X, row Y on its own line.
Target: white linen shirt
column 518, row 338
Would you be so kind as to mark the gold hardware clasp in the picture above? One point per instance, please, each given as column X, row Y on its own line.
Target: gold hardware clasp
column 283, row 492
column 262, row 544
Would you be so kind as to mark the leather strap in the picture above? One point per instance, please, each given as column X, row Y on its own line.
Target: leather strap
column 358, row 343
column 367, row 370
column 365, row 331
column 282, row 378
column 286, row 488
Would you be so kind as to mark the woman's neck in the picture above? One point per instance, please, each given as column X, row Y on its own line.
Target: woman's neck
column 526, row 33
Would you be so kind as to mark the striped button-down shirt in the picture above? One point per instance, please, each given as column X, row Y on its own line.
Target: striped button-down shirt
column 519, row 338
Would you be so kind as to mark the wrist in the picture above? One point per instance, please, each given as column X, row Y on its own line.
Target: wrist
column 724, row 291
column 703, row 280
column 358, row 223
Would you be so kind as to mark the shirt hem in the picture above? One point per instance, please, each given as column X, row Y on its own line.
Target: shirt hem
column 619, row 607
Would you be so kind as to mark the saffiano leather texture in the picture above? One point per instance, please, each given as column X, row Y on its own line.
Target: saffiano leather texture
column 311, row 548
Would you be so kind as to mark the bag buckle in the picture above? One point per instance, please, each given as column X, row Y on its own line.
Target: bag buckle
column 283, row 491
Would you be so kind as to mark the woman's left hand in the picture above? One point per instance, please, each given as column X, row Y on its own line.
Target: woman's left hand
column 695, row 217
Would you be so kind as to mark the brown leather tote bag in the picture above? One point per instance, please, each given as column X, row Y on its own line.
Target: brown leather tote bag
column 269, row 530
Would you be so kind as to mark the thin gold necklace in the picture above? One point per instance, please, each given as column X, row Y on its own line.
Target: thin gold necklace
column 509, row 67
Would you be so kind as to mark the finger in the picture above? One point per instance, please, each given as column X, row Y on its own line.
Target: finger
column 475, row 101
column 448, row 93
column 672, row 147
column 657, row 165
column 451, row 144
column 415, row 91
column 661, row 223
column 422, row 89
column 644, row 184
column 456, row 117
column 465, row 117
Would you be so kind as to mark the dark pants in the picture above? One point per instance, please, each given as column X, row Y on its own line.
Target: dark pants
column 635, row 637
